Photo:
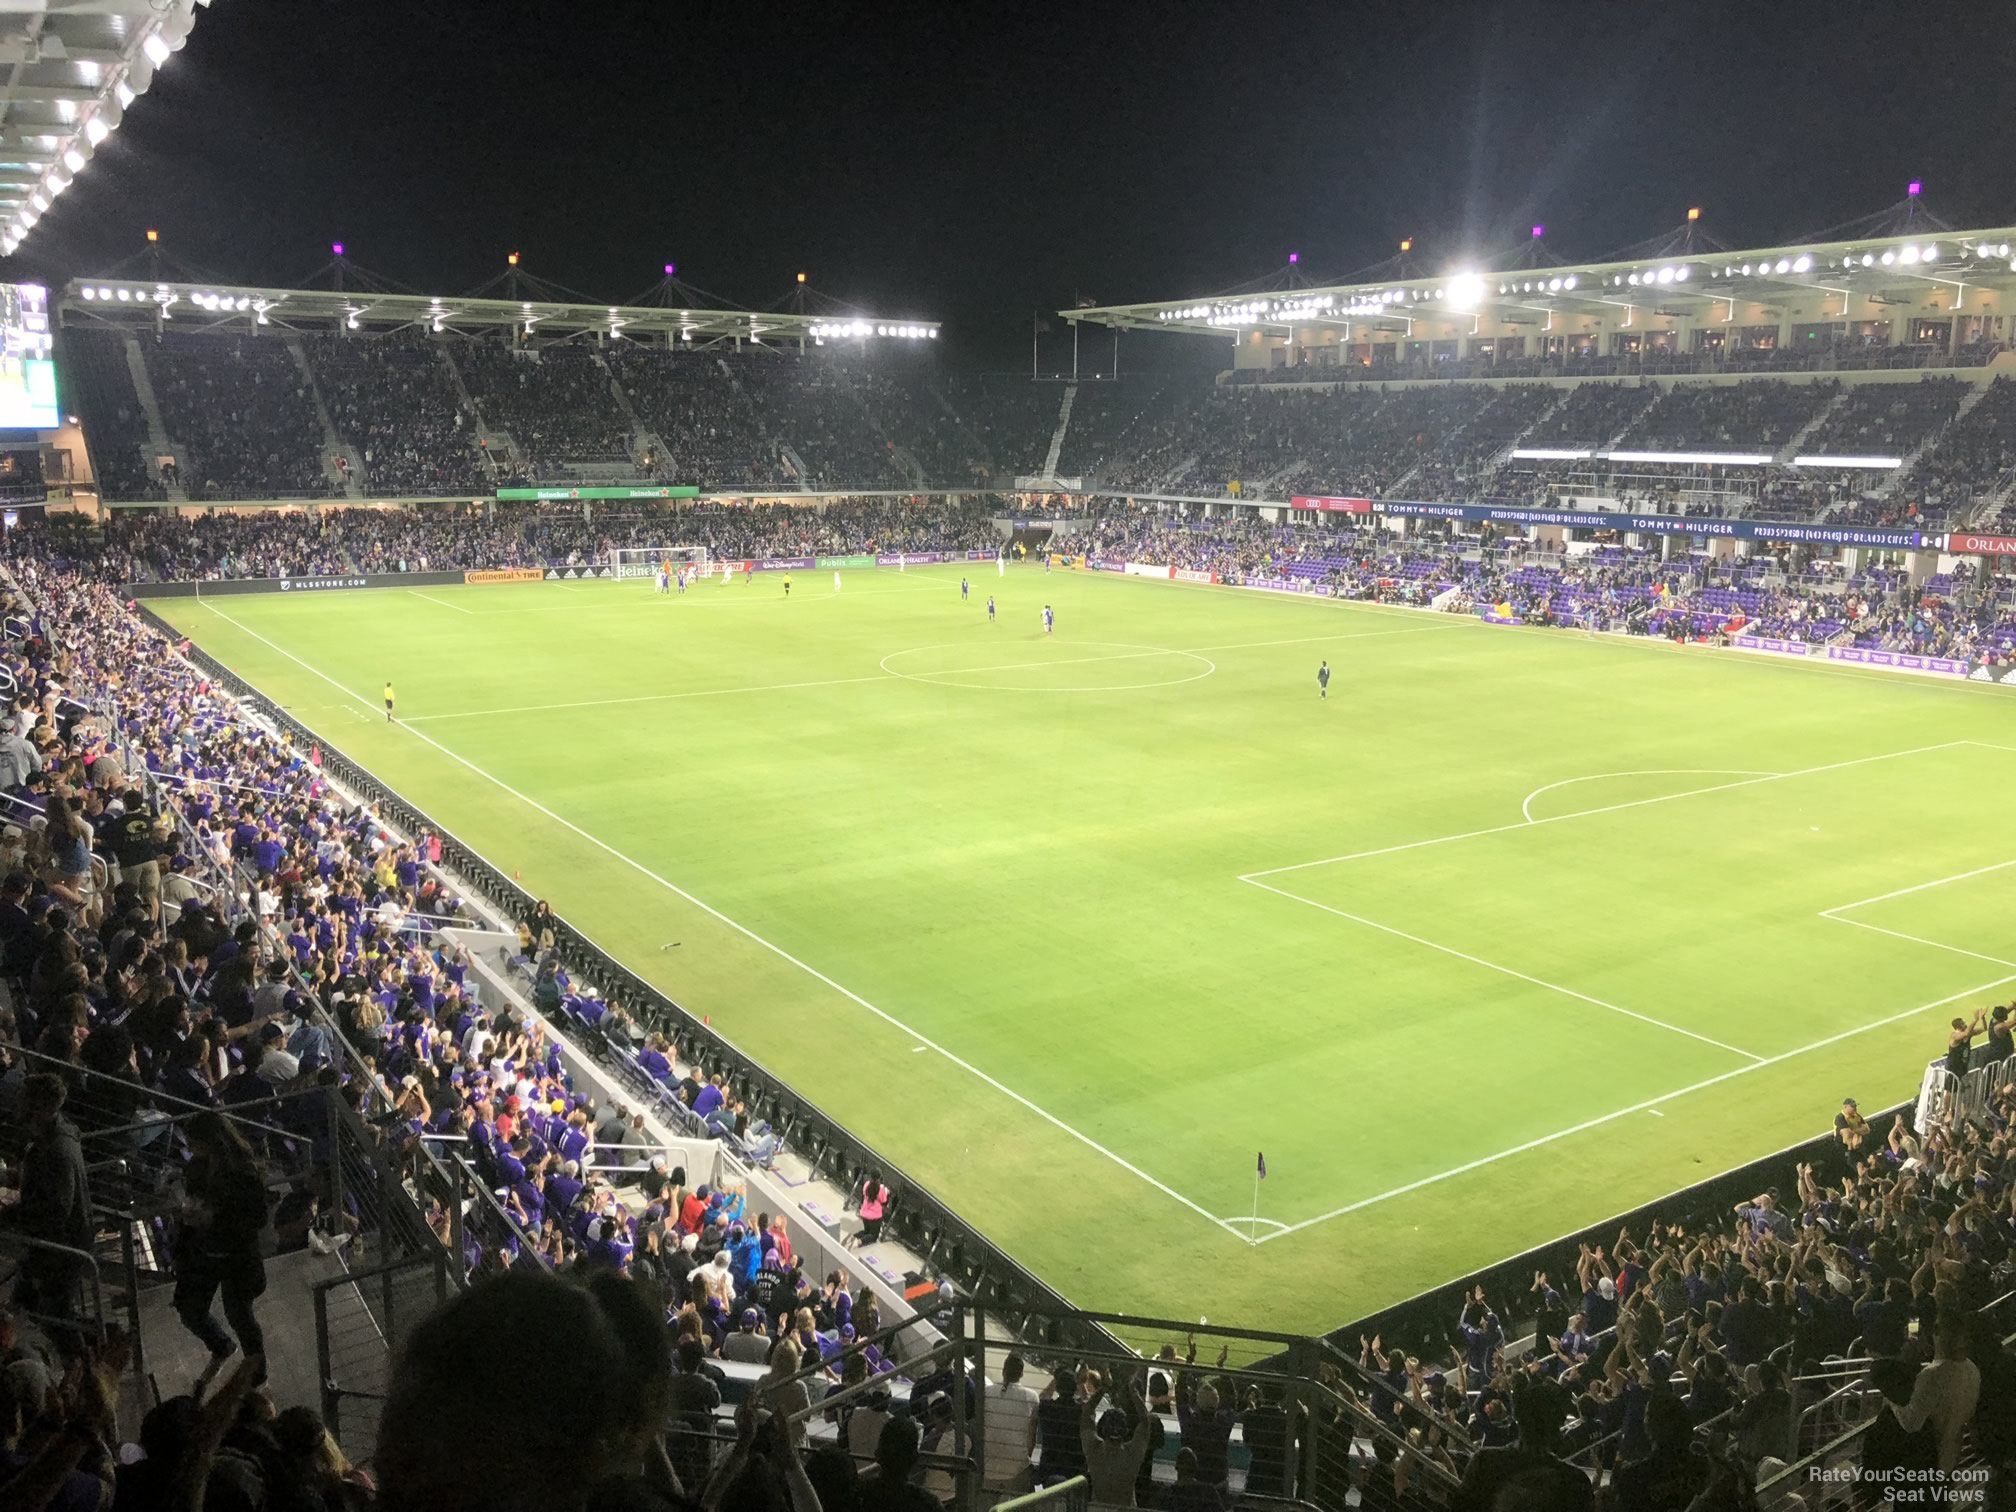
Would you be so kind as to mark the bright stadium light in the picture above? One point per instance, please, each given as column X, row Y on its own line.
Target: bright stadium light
column 95, row 130
column 89, row 292
column 1801, row 264
column 124, row 295
column 1930, row 253
column 124, row 93
column 1908, row 256
column 1680, row 274
column 1868, row 261
column 74, row 159
column 157, row 49
column 1887, row 258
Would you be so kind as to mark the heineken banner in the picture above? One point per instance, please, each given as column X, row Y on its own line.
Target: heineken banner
column 1752, row 530
column 548, row 495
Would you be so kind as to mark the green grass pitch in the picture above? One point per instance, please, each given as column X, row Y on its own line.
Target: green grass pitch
column 1516, row 930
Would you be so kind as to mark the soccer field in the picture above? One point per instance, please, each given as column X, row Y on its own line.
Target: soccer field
column 1518, row 929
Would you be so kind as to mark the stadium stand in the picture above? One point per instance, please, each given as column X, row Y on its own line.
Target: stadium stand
column 395, row 403
column 555, row 403
column 714, row 434
column 116, row 431
column 1757, row 415
column 1012, row 417
column 1888, row 419
column 819, row 408
column 242, row 408
column 1842, row 1300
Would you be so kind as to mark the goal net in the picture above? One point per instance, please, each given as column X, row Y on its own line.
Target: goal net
column 642, row 561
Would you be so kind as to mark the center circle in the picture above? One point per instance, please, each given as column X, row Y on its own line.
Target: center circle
column 1144, row 666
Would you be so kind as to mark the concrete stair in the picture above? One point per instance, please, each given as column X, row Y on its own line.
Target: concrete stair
column 1063, row 426
column 333, row 444
column 158, row 444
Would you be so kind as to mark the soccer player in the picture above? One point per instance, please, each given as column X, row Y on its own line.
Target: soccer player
column 748, row 572
column 1046, row 561
column 388, row 700
column 661, row 577
column 990, row 608
column 1049, row 620
column 1323, row 681
column 684, row 573
column 1001, row 563
column 965, row 591
column 836, row 582
column 787, row 585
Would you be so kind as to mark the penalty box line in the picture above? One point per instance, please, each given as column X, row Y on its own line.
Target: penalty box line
column 1638, row 1107
column 1838, row 913
column 742, row 929
column 1464, row 955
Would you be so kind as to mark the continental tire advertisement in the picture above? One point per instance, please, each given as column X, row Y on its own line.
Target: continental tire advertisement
column 506, row 575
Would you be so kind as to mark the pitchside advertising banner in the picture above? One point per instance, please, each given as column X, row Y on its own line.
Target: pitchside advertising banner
column 505, row 575
column 1752, row 530
column 1970, row 543
column 1332, row 505
column 547, row 495
column 333, row 583
column 1938, row 666
column 847, row 561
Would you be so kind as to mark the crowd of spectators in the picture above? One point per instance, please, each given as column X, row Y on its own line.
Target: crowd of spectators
column 1013, row 418
column 244, row 412
column 555, row 401
column 820, row 408
column 714, row 435
column 395, row 403
column 101, row 388
column 1757, row 415
column 1887, row 419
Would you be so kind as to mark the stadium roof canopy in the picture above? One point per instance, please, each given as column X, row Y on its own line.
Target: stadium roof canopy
column 69, row 70
column 1893, row 269
column 206, row 306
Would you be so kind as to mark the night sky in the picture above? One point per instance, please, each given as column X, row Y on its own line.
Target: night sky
column 970, row 163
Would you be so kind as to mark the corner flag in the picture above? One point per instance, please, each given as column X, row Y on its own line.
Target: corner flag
column 1263, row 1166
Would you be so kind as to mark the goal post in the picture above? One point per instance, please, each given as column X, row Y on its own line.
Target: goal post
column 642, row 561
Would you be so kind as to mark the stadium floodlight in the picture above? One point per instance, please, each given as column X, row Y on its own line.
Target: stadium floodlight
column 1634, row 280
column 125, row 295
column 157, row 49
column 103, row 292
column 1888, row 258
column 1746, row 270
column 74, row 159
column 1907, row 256
column 1784, row 265
column 932, row 334
column 1568, row 282
column 1868, row 261
column 39, row 200
column 124, row 93
column 1680, row 274
column 89, row 292
column 95, row 130
column 1801, row 264
column 1665, row 275
column 511, row 259
column 1694, row 214
column 1929, row 252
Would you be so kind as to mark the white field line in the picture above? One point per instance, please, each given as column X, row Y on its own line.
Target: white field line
column 1649, row 1104
column 750, row 934
column 1462, row 955
column 834, row 682
column 1836, row 913
column 1897, row 934
column 1905, row 892
column 1608, row 808
column 1526, row 808
column 442, row 602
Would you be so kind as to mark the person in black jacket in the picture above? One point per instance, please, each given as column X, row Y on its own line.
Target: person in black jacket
column 223, row 1217
column 55, row 1202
